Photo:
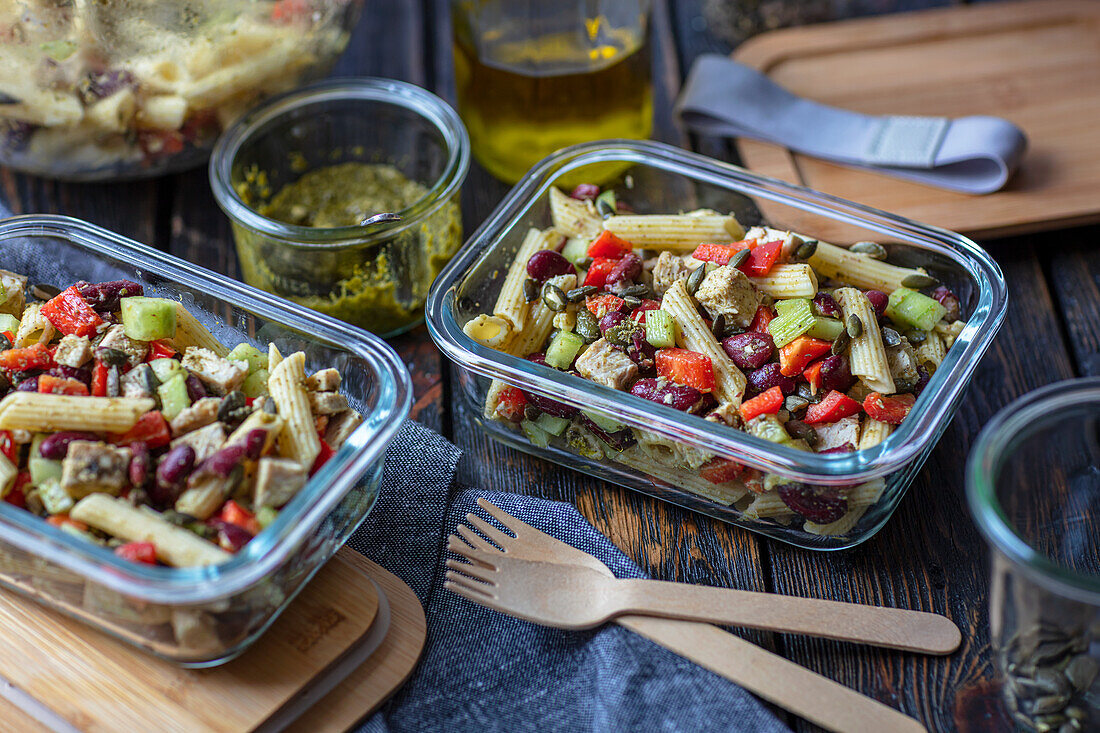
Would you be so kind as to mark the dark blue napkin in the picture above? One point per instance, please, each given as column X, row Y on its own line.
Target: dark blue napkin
column 482, row 670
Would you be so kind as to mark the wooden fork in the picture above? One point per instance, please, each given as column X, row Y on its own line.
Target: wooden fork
column 784, row 683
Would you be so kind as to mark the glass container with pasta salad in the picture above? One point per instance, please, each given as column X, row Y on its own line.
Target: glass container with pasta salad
column 137, row 88
column 179, row 453
column 770, row 356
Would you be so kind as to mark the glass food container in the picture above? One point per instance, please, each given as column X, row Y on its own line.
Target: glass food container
column 663, row 179
column 1033, row 484
column 204, row 616
column 138, row 88
column 376, row 277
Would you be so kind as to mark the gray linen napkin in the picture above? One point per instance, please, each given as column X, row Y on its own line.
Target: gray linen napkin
column 482, row 670
column 966, row 154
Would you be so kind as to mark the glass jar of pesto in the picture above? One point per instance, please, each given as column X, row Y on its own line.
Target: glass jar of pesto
column 297, row 175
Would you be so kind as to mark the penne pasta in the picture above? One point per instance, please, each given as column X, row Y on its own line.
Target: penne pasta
column 669, row 452
column 866, row 355
column 48, row 413
column 540, row 322
column 511, row 304
column 274, row 356
column 298, row 438
column 949, row 331
column 174, row 545
column 33, row 327
column 675, row 232
column 874, row 432
column 788, row 281
column 573, row 217
column 859, row 270
column 769, row 505
column 726, row 493
column 190, row 332
column 492, row 331
column 932, row 351
column 694, row 335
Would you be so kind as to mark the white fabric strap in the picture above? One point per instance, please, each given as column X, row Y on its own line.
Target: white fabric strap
column 966, row 154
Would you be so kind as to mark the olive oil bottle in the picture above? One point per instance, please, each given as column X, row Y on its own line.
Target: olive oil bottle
column 536, row 76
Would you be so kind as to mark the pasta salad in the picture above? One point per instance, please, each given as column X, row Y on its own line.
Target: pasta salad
column 127, row 424
column 819, row 347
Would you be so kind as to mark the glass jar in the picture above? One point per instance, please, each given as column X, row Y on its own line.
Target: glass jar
column 137, row 88
column 534, row 76
column 377, row 276
column 1033, row 483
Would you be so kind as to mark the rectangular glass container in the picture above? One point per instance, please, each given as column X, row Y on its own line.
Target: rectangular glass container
column 203, row 616
column 663, row 179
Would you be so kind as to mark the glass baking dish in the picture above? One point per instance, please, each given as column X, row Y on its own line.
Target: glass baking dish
column 204, row 616
column 663, row 179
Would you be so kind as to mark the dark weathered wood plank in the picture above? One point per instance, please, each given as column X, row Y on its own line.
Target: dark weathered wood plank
column 1075, row 277
column 387, row 42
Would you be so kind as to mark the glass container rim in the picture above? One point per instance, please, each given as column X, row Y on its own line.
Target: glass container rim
column 983, row 466
column 943, row 391
column 311, row 505
column 341, row 89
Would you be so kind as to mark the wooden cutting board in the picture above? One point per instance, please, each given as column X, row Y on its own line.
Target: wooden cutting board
column 1036, row 63
column 92, row 682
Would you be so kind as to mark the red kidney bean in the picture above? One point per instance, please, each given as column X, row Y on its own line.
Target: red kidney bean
column 547, row 263
column 948, row 300
column 826, row 305
column 626, row 270
column 642, row 353
column 836, row 373
column 195, row 390
column 54, row 447
column 821, row 504
column 231, row 537
column 254, row 443
column 750, row 350
column 80, row 374
column 140, row 463
column 224, row 460
column 844, row 448
column 878, row 300
column 105, row 296
column 538, row 357
column 549, row 406
column 769, row 376
column 30, row 384
column 612, row 319
column 677, row 396
column 175, row 466
column 585, row 192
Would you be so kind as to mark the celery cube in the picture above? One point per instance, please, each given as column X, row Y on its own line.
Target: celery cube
column 563, row 348
column 660, row 329
column 909, row 308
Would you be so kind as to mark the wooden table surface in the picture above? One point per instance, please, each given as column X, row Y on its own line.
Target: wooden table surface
column 929, row 557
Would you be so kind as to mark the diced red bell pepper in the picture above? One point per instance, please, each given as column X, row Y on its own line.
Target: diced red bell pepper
column 60, row 520
column 812, row 375
column 762, row 258
column 289, row 11
column 602, row 304
column 609, row 245
column 889, row 409
column 35, row 356
column 151, row 429
column 719, row 253
column 49, row 384
column 99, row 379
column 834, row 406
column 638, row 314
column 234, row 513
column 510, row 404
column 160, row 349
column 764, row 316
column 766, row 403
column 797, row 355
column 599, row 270
column 686, row 367
column 322, row 458
column 11, row 337
column 17, row 494
column 70, row 313
column 8, row 447
column 721, row 470
column 143, row 552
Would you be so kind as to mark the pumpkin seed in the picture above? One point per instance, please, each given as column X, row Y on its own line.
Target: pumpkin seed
column 587, row 326
column 585, row 263
column 638, row 291
column 794, row 403
column 632, row 301
column 1052, row 682
column 1071, row 726
column 1049, row 652
column 718, row 326
column 606, row 205
column 806, row 250
column 1049, row 704
column 738, row 258
column 840, row 343
column 45, row 292
column 695, row 279
column 919, row 280
column 916, row 336
column 1081, row 671
column 1022, row 720
column 576, row 295
column 554, row 298
column 890, row 337
column 1075, row 713
column 874, row 250
column 621, row 335
column 531, row 412
column 530, row 290
column 854, row 326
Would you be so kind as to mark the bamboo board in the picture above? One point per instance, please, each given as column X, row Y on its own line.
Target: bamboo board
column 296, row 674
column 1035, row 63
